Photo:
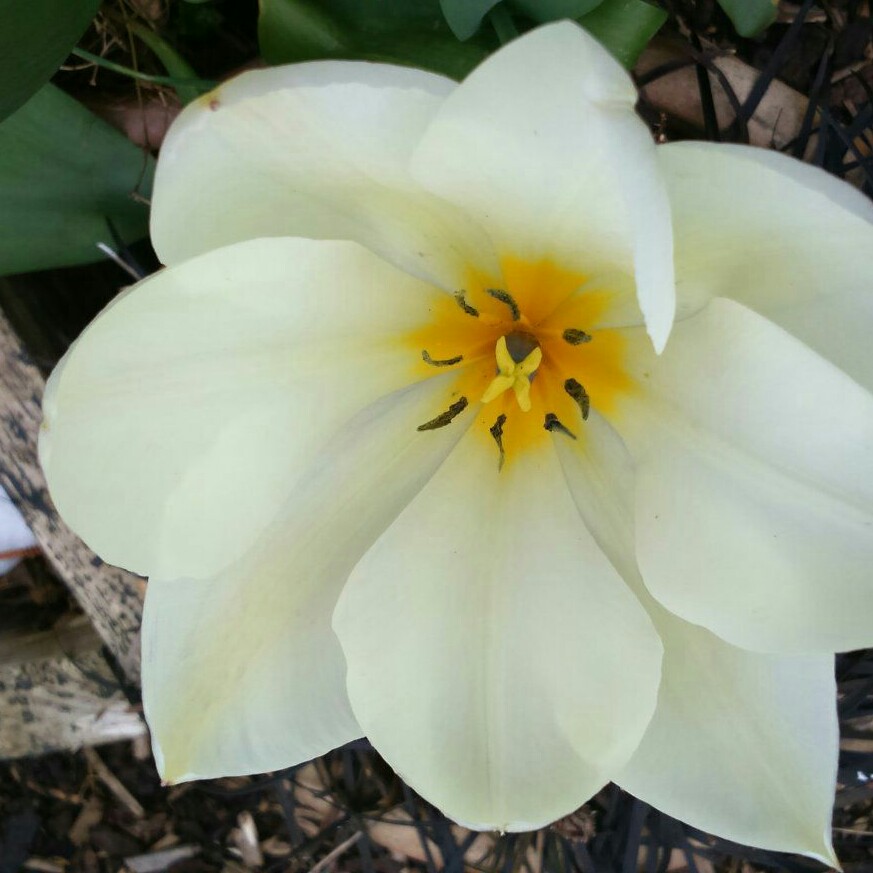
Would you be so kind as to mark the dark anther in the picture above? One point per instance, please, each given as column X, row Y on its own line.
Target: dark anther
column 446, row 417
column 553, row 424
column 580, row 395
column 445, row 362
column 496, row 430
column 576, row 337
column 507, row 298
column 462, row 302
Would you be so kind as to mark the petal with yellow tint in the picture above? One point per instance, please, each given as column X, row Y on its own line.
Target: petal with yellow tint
column 241, row 671
column 177, row 425
column 317, row 150
column 742, row 744
column 557, row 164
column 514, row 670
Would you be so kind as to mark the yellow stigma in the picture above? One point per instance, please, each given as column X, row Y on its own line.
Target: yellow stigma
column 512, row 374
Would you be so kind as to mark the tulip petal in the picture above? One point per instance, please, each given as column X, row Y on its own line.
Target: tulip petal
column 754, row 506
column 179, row 421
column 784, row 238
column 513, row 670
column 542, row 146
column 318, row 150
column 242, row 672
column 742, row 745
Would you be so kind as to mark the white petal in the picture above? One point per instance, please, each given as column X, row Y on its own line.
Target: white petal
column 541, row 145
column 513, row 670
column 784, row 238
column 600, row 475
column 317, row 150
column 755, row 487
column 242, row 672
column 176, row 426
column 838, row 326
column 742, row 745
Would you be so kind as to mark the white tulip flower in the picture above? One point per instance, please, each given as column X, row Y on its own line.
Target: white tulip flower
column 401, row 440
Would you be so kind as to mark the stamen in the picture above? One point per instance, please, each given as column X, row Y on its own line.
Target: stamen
column 552, row 424
column 576, row 337
column 580, row 395
column 446, row 417
column 461, row 301
column 445, row 362
column 496, row 431
column 507, row 298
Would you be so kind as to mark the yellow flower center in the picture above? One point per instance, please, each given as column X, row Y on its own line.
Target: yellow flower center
column 531, row 352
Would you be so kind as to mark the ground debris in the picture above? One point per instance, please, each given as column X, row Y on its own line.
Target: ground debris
column 157, row 862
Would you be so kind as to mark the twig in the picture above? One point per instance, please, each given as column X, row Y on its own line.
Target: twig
column 777, row 119
column 333, row 854
column 117, row 259
column 246, row 838
column 110, row 780
column 136, row 74
column 29, row 552
column 157, row 862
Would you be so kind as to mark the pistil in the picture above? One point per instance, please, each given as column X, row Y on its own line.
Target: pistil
column 513, row 374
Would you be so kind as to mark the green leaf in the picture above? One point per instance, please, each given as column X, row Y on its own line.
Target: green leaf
column 173, row 62
column 465, row 16
column 435, row 52
column 750, row 16
column 553, row 10
column 503, row 23
column 299, row 30
column 624, row 27
column 302, row 30
column 63, row 173
column 35, row 38
column 387, row 16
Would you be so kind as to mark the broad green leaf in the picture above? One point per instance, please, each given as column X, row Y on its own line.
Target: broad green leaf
column 386, row 16
column 624, row 27
column 63, row 173
column 465, row 16
column 173, row 62
column 299, row 30
column 35, row 38
column 750, row 16
column 436, row 52
column 552, row 10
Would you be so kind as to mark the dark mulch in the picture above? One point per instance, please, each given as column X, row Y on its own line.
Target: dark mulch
column 57, row 815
